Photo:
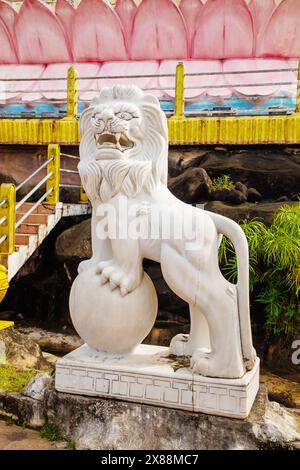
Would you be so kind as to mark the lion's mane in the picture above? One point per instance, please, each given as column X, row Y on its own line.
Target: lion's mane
column 104, row 179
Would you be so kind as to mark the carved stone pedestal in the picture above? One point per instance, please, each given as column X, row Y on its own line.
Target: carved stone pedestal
column 151, row 376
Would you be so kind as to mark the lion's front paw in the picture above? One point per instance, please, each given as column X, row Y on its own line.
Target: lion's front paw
column 111, row 272
column 178, row 345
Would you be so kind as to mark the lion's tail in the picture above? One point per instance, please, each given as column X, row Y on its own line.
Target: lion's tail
column 233, row 231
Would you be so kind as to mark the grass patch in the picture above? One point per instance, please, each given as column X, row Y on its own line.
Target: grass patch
column 12, row 379
column 222, row 182
column 71, row 445
column 51, row 432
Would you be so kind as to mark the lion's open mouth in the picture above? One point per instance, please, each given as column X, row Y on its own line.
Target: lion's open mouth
column 117, row 141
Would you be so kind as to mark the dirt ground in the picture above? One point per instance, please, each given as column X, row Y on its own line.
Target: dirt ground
column 17, row 438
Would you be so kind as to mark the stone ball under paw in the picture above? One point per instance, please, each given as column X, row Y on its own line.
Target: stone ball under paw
column 107, row 321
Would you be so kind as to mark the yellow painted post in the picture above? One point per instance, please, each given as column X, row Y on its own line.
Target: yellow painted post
column 179, row 91
column 83, row 196
column 72, row 94
column 8, row 214
column 298, row 89
column 4, row 284
column 54, row 168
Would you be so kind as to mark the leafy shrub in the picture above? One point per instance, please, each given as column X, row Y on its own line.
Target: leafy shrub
column 274, row 258
column 222, row 182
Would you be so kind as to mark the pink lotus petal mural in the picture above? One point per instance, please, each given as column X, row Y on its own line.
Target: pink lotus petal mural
column 7, row 50
column 199, row 84
column 258, row 79
column 261, row 12
column 159, row 32
column 51, row 89
column 97, row 33
column 126, row 70
column 65, row 12
column 282, row 34
column 191, row 9
column 40, row 38
column 8, row 16
column 149, row 37
column 126, row 10
column 224, row 30
column 17, row 88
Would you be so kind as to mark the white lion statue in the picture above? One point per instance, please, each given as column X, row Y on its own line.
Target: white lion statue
column 123, row 167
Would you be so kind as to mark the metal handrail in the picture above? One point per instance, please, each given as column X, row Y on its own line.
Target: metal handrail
column 33, row 190
column 27, row 214
column 65, row 170
column 237, row 85
column 69, row 156
column 65, row 185
column 50, row 196
column 3, row 219
column 30, row 92
column 118, row 77
column 34, row 173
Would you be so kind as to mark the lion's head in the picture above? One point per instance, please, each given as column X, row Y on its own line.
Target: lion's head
column 124, row 143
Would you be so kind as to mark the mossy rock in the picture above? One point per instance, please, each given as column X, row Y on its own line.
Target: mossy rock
column 13, row 379
column 19, row 351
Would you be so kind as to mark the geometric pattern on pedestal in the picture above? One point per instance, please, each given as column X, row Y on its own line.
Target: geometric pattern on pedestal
column 180, row 389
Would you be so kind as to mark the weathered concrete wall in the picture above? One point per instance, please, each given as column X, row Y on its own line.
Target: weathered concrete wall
column 95, row 423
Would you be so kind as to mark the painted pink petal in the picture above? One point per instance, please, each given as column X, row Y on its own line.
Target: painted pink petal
column 7, row 50
column 257, row 78
column 8, row 15
column 282, row 35
column 224, row 29
column 18, row 88
column 64, row 12
column 126, row 10
column 39, row 36
column 261, row 12
column 191, row 9
column 97, row 33
column 51, row 89
column 126, row 70
column 199, row 81
column 159, row 32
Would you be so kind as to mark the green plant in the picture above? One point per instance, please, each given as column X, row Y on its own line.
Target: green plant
column 274, row 277
column 8, row 420
column 222, row 182
column 13, row 379
column 51, row 432
column 71, row 445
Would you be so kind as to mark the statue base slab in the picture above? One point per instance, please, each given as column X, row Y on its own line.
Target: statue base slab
column 150, row 375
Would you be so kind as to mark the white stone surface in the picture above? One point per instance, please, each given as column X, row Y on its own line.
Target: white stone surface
column 37, row 386
column 123, row 167
column 149, row 375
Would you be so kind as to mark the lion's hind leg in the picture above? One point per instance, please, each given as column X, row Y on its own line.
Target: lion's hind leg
column 186, row 345
column 214, row 342
column 225, row 357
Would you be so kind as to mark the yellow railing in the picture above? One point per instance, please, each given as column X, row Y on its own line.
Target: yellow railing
column 9, row 206
column 183, row 130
